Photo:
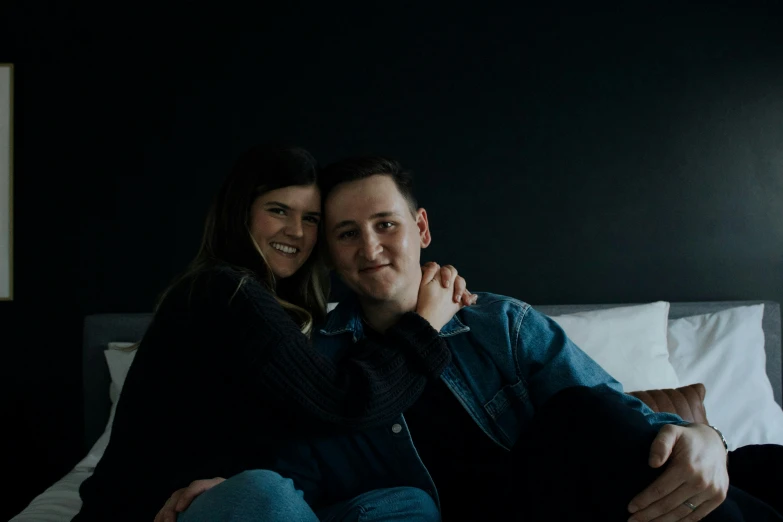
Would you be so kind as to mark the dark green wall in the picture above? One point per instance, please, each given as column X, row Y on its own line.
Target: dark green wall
column 564, row 157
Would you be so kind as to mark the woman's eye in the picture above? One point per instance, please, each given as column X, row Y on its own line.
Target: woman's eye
column 278, row 211
column 311, row 219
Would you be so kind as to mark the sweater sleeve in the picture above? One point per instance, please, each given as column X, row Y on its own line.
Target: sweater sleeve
column 369, row 386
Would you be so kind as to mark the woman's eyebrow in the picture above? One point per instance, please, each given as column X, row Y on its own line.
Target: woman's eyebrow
column 277, row 204
column 286, row 207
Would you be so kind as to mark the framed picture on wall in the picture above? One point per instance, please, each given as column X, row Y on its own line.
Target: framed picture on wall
column 6, row 180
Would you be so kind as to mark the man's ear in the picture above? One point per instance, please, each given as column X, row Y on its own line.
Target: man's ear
column 424, row 228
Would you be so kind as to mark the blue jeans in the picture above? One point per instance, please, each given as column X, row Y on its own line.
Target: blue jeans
column 262, row 495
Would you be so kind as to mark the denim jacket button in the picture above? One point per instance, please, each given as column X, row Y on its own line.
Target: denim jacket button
column 396, row 428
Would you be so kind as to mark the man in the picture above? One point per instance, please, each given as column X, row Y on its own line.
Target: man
column 509, row 364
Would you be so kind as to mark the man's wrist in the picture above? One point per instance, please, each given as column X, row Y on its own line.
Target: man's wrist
column 722, row 438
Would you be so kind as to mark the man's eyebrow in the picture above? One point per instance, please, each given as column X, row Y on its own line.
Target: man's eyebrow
column 286, row 207
column 349, row 222
column 343, row 224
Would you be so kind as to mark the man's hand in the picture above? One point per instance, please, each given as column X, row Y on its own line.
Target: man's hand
column 181, row 499
column 437, row 302
column 696, row 474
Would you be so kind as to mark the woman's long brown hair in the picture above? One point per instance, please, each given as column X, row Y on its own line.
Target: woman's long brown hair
column 227, row 238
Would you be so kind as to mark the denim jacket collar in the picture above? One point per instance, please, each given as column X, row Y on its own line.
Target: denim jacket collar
column 347, row 317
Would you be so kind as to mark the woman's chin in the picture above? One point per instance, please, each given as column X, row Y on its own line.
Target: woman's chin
column 284, row 271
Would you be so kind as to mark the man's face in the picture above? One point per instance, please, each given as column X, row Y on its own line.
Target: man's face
column 374, row 240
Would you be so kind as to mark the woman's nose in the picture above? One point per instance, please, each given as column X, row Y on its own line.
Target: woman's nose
column 294, row 228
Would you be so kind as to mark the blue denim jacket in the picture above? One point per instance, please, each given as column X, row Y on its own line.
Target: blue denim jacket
column 507, row 360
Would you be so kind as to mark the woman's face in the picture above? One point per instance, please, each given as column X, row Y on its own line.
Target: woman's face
column 284, row 223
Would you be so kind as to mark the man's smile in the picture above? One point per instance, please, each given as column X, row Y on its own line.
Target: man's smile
column 373, row 269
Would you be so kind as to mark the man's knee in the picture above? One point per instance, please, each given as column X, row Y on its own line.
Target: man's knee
column 585, row 406
column 595, row 424
column 570, row 405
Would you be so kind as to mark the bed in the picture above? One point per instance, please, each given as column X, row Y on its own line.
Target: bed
column 61, row 501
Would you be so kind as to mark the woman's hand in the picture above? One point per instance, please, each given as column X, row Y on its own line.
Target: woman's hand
column 181, row 499
column 442, row 294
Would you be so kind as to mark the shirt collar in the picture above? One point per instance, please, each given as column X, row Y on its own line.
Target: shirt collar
column 347, row 318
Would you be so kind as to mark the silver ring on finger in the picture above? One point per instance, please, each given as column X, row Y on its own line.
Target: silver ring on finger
column 689, row 505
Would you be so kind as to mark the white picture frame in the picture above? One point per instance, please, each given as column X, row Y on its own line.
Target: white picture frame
column 6, row 180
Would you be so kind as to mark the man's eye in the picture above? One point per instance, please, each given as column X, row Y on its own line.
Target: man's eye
column 349, row 234
column 385, row 224
column 278, row 211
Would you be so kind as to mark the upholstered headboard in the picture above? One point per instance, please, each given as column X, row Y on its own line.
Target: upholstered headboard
column 101, row 329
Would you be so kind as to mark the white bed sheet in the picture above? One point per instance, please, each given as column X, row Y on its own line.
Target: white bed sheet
column 61, row 502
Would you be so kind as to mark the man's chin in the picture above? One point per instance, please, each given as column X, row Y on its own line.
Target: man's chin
column 376, row 297
column 375, row 294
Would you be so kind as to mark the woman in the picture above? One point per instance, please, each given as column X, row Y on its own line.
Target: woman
column 226, row 374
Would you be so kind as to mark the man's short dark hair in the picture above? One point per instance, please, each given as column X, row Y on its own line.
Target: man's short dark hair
column 355, row 169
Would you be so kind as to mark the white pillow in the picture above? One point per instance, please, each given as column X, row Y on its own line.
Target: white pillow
column 629, row 342
column 119, row 360
column 725, row 352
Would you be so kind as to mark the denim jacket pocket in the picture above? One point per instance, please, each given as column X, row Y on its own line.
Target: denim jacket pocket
column 511, row 410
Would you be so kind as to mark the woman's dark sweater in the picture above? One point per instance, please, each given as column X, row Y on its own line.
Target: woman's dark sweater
column 224, row 377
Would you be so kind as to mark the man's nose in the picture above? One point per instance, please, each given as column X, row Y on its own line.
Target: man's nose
column 371, row 248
